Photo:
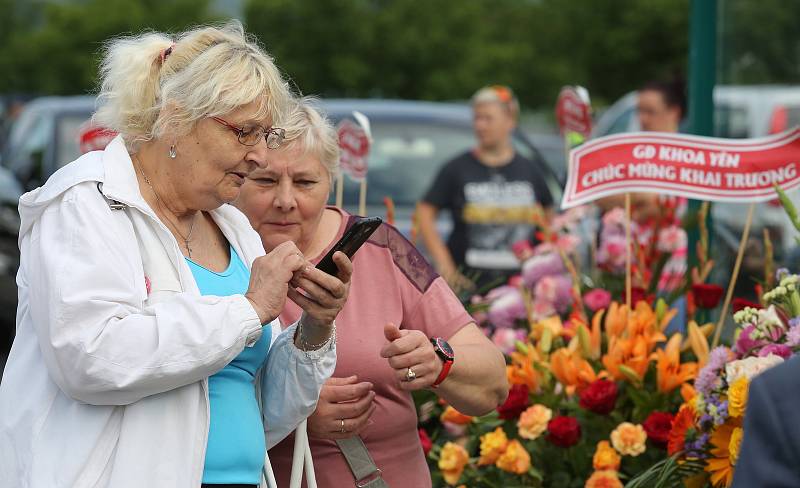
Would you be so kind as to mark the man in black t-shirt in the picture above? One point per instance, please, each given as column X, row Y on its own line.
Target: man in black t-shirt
column 491, row 193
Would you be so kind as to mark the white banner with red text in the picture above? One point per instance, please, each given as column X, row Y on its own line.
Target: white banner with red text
column 702, row 168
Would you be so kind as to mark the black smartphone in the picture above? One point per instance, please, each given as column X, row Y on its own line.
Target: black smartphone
column 355, row 236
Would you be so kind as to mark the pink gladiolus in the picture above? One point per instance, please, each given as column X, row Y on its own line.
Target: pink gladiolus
column 505, row 339
column 672, row 239
column 597, row 299
column 611, row 254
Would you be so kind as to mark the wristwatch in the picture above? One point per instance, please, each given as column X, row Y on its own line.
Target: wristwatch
column 445, row 352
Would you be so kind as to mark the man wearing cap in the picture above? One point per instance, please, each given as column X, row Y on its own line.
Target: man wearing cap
column 490, row 192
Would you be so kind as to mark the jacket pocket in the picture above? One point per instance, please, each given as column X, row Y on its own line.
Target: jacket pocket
column 100, row 462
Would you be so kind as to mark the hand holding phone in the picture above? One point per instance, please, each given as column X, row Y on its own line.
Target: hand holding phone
column 350, row 242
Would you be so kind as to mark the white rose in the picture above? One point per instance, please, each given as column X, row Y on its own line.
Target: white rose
column 750, row 367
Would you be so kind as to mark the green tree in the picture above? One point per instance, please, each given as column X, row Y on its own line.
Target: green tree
column 442, row 50
column 54, row 48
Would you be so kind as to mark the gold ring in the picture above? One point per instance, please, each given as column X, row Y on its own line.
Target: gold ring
column 410, row 375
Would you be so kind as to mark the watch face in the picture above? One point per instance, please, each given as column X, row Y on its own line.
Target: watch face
column 445, row 347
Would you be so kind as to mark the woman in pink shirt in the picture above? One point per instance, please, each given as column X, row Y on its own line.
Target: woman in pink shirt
column 403, row 328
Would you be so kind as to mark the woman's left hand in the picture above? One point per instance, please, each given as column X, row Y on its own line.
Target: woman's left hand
column 323, row 295
column 411, row 350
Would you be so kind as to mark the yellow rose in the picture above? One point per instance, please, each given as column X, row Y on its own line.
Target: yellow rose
column 603, row 479
column 493, row 445
column 515, row 460
column 629, row 439
column 452, row 460
column 605, row 457
column 737, row 397
column 533, row 421
column 734, row 445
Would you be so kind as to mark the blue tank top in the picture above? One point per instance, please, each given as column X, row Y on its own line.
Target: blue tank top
column 236, row 445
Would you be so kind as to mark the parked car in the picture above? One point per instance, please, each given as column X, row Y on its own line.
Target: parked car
column 45, row 137
column 412, row 140
column 10, row 191
column 739, row 112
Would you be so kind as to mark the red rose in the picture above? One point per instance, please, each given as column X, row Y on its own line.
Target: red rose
column 740, row 304
column 657, row 426
column 426, row 441
column 599, row 397
column 707, row 295
column 564, row 431
column 515, row 404
column 639, row 294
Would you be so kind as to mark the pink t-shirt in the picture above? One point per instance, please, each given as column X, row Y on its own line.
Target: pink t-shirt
column 391, row 282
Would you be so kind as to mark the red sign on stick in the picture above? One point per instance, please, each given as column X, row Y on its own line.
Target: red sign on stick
column 574, row 111
column 703, row 168
column 354, row 145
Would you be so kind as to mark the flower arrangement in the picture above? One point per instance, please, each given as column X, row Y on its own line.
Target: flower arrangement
column 602, row 394
column 706, row 434
column 591, row 404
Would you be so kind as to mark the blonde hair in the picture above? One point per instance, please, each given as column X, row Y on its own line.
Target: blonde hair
column 151, row 85
column 308, row 130
column 498, row 94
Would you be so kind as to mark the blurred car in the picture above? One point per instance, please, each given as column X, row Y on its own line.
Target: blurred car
column 739, row 112
column 45, row 137
column 10, row 191
column 411, row 141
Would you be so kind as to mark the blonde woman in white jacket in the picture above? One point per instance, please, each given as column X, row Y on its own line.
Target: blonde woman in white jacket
column 147, row 352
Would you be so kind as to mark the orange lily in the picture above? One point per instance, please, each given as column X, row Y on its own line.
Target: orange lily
column 596, row 338
column 521, row 370
column 553, row 323
column 670, row 372
column 644, row 321
column 571, row 370
column 697, row 341
column 626, row 356
column 632, row 342
column 616, row 319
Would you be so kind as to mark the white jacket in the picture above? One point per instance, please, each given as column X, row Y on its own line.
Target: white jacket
column 106, row 385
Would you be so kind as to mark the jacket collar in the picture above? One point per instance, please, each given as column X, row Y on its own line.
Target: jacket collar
column 119, row 180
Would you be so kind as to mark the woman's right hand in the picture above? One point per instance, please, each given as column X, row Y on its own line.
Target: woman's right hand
column 269, row 279
column 344, row 408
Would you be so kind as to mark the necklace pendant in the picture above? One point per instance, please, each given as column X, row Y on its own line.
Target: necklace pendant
column 188, row 249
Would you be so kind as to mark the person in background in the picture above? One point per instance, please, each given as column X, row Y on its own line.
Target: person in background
column 148, row 353
column 661, row 107
column 402, row 327
column 490, row 191
column 770, row 451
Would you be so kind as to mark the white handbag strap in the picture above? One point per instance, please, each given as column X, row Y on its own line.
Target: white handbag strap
column 301, row 463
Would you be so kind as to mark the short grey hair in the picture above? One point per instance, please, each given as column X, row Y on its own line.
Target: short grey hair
column 308, row 130
column 151, row 85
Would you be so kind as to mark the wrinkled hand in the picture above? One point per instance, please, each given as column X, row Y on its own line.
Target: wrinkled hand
column 269, row 279
column 320, row 295
column 342, row 399
column 411, row 349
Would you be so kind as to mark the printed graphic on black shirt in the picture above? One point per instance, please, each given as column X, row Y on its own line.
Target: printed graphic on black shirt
column 497, row 214
column 491, row 208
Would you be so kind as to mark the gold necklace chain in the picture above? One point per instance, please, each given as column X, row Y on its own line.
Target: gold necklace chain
column 185, row 238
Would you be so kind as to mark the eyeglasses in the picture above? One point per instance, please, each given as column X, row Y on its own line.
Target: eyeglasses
column 251, row 135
